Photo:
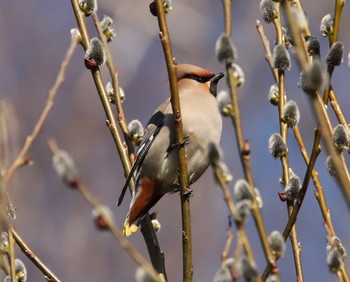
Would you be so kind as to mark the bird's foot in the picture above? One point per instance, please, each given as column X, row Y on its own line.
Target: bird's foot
column 188, row 192
column 181, row 144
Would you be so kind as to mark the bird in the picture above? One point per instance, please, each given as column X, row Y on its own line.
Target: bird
column 155, row 168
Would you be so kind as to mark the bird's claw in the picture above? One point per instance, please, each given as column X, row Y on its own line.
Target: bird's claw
column 188, row 192
column 181, row 144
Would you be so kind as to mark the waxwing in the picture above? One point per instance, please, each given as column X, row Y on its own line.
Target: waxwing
column 155, row 170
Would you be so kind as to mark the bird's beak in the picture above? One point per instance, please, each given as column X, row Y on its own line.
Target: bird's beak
column 214, row 82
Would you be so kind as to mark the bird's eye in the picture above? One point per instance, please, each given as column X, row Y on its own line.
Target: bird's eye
column 200, row 79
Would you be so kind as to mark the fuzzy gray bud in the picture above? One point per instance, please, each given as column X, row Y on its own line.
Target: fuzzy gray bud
column 268, row 10
column 277, row 147
column 12, row 211
column 65, row 168
column 334, row 260
column 287, row 37
column 281, row 179
column 223, row 275
column 300, row 20
column 141, row 275
column 20, row 270
column 338, row 245
column 136, row 132
column 291, row 114
column 274, row 95
column 224, row 171
column 225, row 50
column 238, row 75
column 330, row 166
column 273, row 278
column 103, row 217
column 242, row 190
column 326, row 26
column 314, row 77
column 313, row 46
column 110, row 92
column 224, row 103
column 230, row 264
column 242, row 210
column 88, row 7
column 249, row 271
column 291, row 192
column 214, row 153
column 156, row 224
column 280, row 58
column 4, row 243
column 277, row 244
column 335, row 54
column 341, row 138
column 107, row 27
column 95, row 54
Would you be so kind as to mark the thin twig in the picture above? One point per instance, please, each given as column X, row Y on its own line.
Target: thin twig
column 21, row 159
column 266, row 44
column 227, row 4
column 225, row 252
column 49, row 275
column 11, row 255
column 175, row 103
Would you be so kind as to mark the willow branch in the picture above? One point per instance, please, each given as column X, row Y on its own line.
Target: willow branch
column 243, row 145
column 11, row 255
column 21, row 159
column 227, row 4
column 115, row 82
column 49, row 275
column 285, row 159
column 224, row 254
column 175, row 103
column 339, row 4
column 157, row 257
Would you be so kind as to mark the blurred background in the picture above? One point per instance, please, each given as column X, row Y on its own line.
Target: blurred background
column 56, row 222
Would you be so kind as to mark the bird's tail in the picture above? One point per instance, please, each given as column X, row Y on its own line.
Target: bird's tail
column 129, row 229
column 145, row 197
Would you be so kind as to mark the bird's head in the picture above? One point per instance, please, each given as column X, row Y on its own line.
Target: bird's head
column 195, row 76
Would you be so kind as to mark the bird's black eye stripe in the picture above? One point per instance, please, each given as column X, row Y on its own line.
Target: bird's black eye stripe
column 200, row 79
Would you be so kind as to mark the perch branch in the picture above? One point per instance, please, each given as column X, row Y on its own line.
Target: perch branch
column 175, row 103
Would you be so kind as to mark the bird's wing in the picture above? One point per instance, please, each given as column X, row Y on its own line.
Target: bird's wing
column 153, row 127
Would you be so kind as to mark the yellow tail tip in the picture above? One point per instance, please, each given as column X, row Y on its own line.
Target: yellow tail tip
column 129, row 229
